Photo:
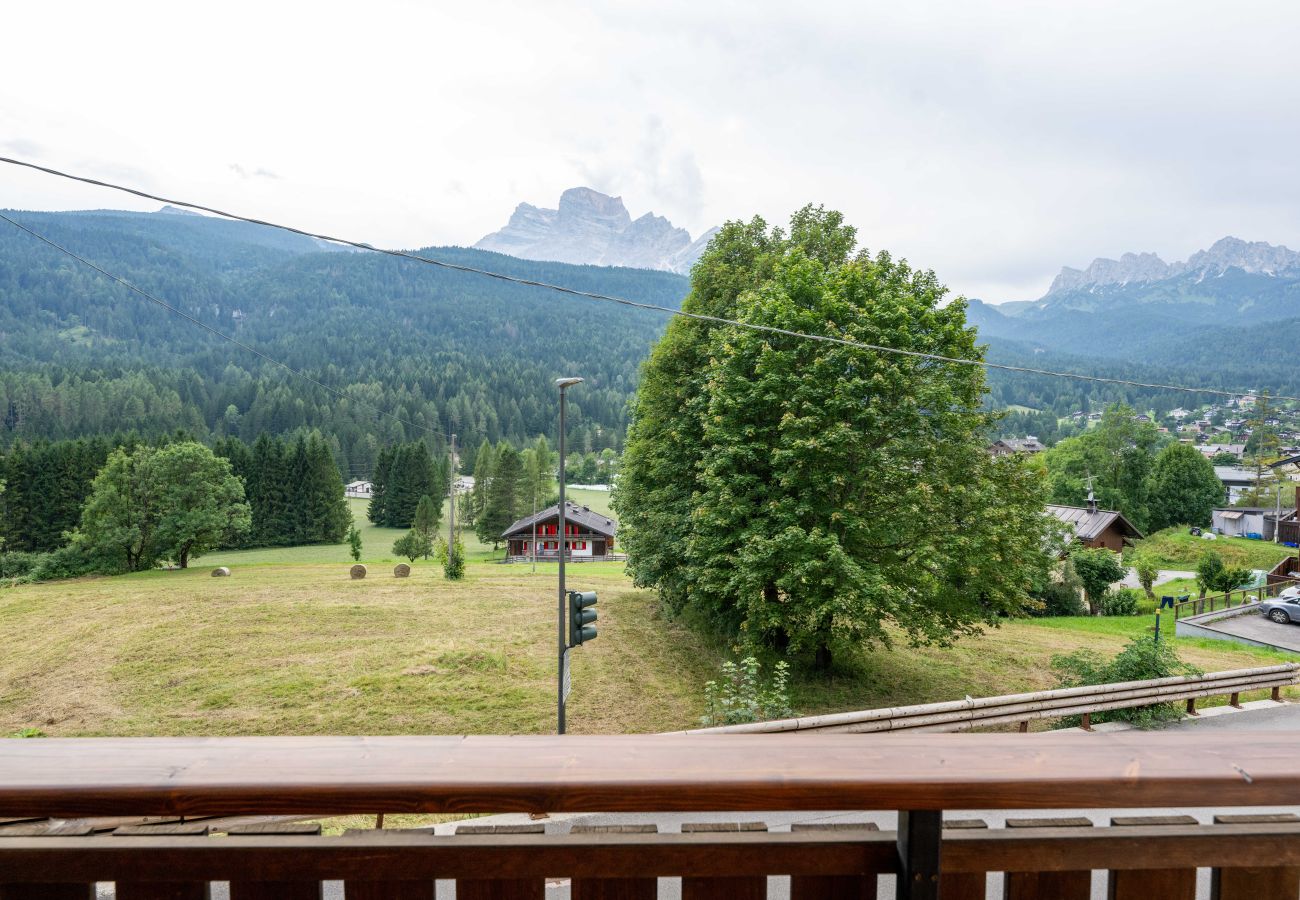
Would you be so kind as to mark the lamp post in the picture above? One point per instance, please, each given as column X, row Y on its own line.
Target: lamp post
column 562, row 384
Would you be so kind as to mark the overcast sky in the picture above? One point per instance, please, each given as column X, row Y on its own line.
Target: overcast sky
column 992, row 142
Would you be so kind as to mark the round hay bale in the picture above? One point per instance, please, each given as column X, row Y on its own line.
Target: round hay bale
column 358, row 571
column 220, row 572
column 401, row 570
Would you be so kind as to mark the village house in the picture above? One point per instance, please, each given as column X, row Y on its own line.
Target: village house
column 1007, row 446
column 1238, row 481
column 588, row 535
column 360, row 490
column 1095, row 527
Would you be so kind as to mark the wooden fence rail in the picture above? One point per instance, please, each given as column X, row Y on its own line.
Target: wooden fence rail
column 918, row 775
column 958, row 715
column 1195, row 606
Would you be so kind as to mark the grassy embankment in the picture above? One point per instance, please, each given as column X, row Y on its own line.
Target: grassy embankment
column 290, row 645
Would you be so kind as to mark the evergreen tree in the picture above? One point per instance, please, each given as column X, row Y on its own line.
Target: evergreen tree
column 320, row 494
column 427, row 514
column 504, row 502
column 484, row 461
column 377, row 512
column 354, row 542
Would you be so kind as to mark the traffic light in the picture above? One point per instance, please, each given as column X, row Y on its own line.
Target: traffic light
column 581, row 617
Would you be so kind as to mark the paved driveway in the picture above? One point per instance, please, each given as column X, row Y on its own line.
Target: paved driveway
column 1254, row 627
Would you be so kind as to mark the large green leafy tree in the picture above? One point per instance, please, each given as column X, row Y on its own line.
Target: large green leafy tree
column 807, row 494
column 1115, row 457
column 1183, row 488
column 200, row 502
column 120, row 519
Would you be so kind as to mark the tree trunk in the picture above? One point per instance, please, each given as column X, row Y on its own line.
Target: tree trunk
column 822, row 661
column 184, row 561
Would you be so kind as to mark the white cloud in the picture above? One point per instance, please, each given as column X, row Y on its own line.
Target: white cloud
column 991, row 141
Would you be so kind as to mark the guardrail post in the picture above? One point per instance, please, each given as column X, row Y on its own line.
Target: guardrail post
column 1235, row 700
column 920, row 833
column 1191, row 707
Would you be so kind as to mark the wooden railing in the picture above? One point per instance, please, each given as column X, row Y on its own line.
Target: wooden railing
column 1243, row 597
column 919, row 776
column 1012, row 709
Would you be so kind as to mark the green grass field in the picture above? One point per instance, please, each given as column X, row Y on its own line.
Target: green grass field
column 291, row 645
column 1174, row 548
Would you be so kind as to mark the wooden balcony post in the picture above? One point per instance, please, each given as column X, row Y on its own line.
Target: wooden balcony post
column 54, row 890
column 1032, row 885
column 1147, row 884
column 833, row 887
column 500, row 888
column 613, row 888
column 1254, row 883
column 963, row 885
column 707, row 888
column 163, row 890
column 919, row 837
column 275, row 890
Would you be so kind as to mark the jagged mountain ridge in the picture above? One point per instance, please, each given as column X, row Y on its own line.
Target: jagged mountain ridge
column 1139, row 305
column 1253, row 257
column 591, row 228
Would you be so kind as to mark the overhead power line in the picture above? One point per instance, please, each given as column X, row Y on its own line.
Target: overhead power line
column 208, row 328
column 590, row 295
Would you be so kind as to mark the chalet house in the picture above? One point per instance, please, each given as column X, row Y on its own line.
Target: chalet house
column 361, row 490
column 588, row 535
column 1007, row 446
column 1095, row 527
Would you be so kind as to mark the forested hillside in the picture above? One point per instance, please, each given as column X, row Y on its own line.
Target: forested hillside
column 442, row 350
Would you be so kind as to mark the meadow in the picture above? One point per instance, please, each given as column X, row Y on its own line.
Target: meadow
column 289, row 644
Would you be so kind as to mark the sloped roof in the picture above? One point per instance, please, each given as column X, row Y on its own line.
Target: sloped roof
column 579, row 515
column 1089, row 524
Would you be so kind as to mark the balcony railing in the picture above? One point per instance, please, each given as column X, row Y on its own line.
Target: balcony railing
column 921, row 776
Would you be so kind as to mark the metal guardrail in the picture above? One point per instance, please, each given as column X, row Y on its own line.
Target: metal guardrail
column 958, row 715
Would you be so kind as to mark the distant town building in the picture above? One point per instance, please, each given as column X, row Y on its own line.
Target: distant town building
column 1237, row 481
column 1007, row 446
column 361, row 490
column 1243, row 521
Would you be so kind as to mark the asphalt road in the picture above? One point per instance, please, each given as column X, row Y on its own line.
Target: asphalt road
column 1256, row 627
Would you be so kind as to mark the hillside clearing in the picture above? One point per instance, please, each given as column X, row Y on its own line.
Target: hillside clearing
column 298, row 648
column 1175, row 548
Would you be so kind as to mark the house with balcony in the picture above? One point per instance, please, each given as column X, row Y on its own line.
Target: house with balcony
column 588, row 535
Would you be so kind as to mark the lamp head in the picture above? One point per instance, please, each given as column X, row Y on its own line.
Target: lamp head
column 562, row 383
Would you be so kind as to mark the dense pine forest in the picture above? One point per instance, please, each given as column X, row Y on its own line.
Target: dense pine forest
column 401, row 351
column 415, row 351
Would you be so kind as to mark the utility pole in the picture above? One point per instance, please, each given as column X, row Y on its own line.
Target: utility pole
column 563, row 668
column 451, row 520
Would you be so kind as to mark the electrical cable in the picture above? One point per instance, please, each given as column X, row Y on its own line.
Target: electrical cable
column 500, row 276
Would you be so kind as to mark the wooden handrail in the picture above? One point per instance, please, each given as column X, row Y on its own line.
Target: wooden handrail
column 72, row 777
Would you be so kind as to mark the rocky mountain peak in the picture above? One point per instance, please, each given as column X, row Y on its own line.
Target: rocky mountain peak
column 1139, row 268
column 591, row 228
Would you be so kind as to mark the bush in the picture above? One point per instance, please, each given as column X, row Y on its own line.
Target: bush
column 454, row 567
column 17, row 564
column 1140, row 660
column 74, row 561
column 1061, row 598
column 1121, row 602
column 741, row 696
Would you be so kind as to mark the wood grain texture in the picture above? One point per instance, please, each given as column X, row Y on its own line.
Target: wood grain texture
column 500, row 889
column 276, row 890
column 1255, row 884
column 1150, row 884
column 54, row 891
column 388, row 890
column 72, row 777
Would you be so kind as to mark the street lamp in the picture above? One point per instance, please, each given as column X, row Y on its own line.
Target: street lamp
column 562, row 384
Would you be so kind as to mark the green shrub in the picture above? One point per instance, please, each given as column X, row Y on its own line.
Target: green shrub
column 74, row 561
column 1121, row 602
column 1141, row 659
column 1061, row 597
column 741, row 696
column 17, row 564
column 454, row 567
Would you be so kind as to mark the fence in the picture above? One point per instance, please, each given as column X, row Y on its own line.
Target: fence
column 1214, row 602
column 919, row 776
column 958, row 715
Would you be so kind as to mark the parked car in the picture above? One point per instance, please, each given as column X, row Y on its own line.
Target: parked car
column 1283, row 608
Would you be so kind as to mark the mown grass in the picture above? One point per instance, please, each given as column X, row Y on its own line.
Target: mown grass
column 299, row 648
